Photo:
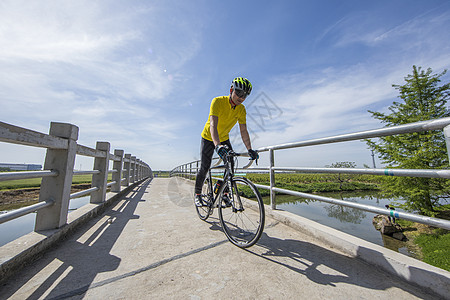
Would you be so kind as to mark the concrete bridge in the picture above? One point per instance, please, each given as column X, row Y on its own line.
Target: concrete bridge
column 143, row 239
column 150, row 244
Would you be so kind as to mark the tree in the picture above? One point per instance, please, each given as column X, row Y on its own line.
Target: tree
column 422, row 99
column 342, row 177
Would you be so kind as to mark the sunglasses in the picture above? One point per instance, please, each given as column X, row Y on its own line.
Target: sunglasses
column 240, row 93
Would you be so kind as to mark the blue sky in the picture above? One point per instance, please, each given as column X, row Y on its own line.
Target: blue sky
column 141, row 74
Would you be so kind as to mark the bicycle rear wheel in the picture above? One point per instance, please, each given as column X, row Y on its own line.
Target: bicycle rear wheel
column 205, row 211
column 243, row 220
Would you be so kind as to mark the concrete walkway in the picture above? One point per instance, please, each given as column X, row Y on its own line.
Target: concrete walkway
column 151, row 245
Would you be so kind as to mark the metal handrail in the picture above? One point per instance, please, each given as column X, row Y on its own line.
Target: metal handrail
column 393, row 213
column 86, row 172
column 84, row 192
column 386, row 131
column 438, row 124
column 24, row 211
column 379, row 172
column 27, row 175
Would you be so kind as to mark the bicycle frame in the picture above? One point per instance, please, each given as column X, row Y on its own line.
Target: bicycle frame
column 227, row 178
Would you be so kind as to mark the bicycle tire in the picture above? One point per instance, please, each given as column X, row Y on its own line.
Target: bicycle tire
column 242, row 225
column 204, row 212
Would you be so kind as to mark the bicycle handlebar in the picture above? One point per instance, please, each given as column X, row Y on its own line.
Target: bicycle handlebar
column 232, row 153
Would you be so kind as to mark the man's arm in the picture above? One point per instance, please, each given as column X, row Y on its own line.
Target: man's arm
column 213, row 121
column 245, row 136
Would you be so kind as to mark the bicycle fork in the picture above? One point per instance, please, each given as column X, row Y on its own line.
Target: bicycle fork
column 236, row 203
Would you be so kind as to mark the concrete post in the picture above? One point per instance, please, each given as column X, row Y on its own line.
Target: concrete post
column 117, row 176
column 273, row 202
column 138, row 170
column 126, row 167
column 58, row 188
column 100, row 180
column 133, row 169
column 135, row 173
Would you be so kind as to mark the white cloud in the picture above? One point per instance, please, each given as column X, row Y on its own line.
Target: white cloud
column 127, row 72
column 107, row 67
column 61, row 30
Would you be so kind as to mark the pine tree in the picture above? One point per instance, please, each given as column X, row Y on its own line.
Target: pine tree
column 422, row 99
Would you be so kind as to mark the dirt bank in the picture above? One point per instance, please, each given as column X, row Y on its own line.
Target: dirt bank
column 13, row 199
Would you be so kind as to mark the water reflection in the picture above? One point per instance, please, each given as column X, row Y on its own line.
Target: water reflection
column 16, row 228
column 349, row 220
column 345, row 214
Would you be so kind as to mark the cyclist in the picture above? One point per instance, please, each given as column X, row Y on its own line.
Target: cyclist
column 225, row 112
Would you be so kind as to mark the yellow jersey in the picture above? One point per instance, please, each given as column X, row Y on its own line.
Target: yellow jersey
column 228, row 117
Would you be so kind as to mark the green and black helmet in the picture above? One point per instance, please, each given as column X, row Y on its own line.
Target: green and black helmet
column 243, row 84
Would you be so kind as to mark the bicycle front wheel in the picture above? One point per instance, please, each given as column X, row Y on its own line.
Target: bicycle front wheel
column 241, row 213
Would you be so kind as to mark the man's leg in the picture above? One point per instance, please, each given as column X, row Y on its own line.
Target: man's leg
column 207, row 151
column 227, row 201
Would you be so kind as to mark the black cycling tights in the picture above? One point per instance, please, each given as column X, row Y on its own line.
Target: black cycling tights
column 207, row 151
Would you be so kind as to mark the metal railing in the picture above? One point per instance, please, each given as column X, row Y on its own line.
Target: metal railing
column 188, row 170
column 54, row 196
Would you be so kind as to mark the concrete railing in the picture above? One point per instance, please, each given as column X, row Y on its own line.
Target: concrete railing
column 189, row 170
column 62, row 148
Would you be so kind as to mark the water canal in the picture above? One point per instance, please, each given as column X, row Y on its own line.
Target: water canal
column 349, row 220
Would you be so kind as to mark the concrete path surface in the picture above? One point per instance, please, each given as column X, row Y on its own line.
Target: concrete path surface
column 152, row 245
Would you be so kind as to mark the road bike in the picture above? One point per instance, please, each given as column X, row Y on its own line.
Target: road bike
column 240, row 205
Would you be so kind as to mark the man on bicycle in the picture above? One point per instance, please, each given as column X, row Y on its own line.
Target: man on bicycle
column 224, row 112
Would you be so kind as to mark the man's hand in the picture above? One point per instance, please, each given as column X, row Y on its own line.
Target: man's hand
column 222, row 151
column 253, row 154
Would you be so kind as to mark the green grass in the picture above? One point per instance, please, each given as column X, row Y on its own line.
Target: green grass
column 316, row 183
column 36, row 182
column 311, row 178
column 20, row 184
column 436, row 248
